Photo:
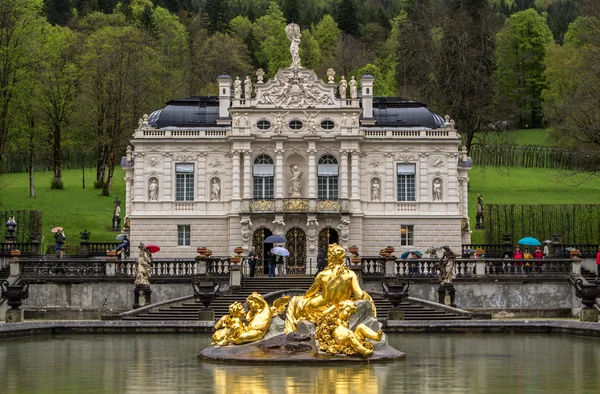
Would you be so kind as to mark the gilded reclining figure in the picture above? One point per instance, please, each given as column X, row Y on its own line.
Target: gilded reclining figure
column 334, row 336
column 336, row 283
column 232, row 330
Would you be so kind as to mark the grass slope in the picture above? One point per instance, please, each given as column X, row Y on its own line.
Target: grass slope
column 73, row 208
column 519, row 137
column 77, row 209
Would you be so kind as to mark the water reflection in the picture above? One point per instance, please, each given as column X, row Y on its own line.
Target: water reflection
column 167, row 363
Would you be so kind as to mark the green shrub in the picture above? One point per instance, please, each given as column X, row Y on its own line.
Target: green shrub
column 57, row 184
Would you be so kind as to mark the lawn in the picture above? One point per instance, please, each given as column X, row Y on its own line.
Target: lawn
column 73, row 208
column 518, row 137
column 516, row 185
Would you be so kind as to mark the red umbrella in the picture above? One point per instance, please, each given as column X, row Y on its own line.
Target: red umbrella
column 153, row 248
column 56, row 229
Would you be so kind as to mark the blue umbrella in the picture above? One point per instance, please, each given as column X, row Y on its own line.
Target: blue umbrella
column 280, row 251
column 120, row 237
column 274, row 239
column 530, row 241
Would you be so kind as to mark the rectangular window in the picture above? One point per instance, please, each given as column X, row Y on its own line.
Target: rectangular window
column 406, row 235
column 184, row 182
column 183, row 235
column 327, row 187
column 406, row 182
column 264, row 188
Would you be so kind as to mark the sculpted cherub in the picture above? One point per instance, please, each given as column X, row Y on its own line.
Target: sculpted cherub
column 334, row 336
column 230, row 326
column 259, row 316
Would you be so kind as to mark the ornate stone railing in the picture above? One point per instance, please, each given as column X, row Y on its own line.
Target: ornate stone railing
column 328, row 206
column 262, row 206
column 37, row 269
column 295, row 205
column 440, row 133
column 183, row 133
column 26, row 248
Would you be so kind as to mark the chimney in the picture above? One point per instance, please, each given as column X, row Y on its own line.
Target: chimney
column 366, row 84
column 224, row 96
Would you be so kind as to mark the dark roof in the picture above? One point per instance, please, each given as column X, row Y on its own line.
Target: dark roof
column 398, row 112
column 188, row 112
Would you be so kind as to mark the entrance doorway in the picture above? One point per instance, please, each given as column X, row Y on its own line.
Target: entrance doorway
column 258, row 239
column 327, row 236
column 296, row 244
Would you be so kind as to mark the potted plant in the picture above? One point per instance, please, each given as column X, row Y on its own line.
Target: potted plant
column 239, row 250
column 236, row 259
column 353, row 249
column 201, row 250
column 383, row 253
column 390, row 249
column 208, row 253
column 111, row 253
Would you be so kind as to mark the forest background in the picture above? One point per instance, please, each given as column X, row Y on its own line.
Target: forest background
column 76, row 75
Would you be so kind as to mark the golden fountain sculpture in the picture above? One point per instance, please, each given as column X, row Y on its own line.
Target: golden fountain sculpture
column 329, row 304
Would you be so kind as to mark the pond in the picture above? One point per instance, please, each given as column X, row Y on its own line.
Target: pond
column 167, row 363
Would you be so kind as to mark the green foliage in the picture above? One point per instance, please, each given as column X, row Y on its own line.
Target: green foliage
column 384, row 86
column 328, row 35
column 521, row 48
column 347, row 17
column 310, row 52
column 216, row 16
column 272, row 43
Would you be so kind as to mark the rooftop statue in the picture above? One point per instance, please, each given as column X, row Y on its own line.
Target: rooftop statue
column 336, row 283
column 292, row 32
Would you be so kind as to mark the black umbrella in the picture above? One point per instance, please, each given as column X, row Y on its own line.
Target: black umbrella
column 274, row 239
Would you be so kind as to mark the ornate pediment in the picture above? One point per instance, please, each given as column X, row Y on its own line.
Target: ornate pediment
column 295, row 88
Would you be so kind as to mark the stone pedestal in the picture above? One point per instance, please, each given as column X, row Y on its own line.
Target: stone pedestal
column 18, row 316
column 390, row 267
column 446, row 294
column 590, row 315
column 396, row 314
column 206, row 315
column 235, row 278
column 142, row 295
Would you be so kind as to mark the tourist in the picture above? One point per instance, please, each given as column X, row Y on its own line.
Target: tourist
column 252, row 260
column 538, row 255
column 321, row 261
column 528, row 264
column 123, row 249
column 59, row 240
column 518, row 256
column 598, row 264
column 271, row 263
column 279, row 264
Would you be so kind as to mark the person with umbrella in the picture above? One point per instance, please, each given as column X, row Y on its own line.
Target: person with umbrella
column 59, row 239
column 270, row 257
column 123, row 248
column 280, row 253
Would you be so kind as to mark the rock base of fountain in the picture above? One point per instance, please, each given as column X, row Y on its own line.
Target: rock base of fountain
column 301, row 346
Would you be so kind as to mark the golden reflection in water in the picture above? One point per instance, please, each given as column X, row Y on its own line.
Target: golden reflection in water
column 311, row 379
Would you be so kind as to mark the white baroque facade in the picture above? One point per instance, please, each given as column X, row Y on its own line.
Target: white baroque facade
column 291, row 156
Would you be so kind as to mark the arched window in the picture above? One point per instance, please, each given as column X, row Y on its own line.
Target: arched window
column 263, row 176
column 327, row 181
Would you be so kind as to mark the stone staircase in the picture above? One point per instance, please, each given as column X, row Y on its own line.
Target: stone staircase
column 188, row 310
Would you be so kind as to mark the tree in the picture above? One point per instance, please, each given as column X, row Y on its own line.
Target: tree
column 466, row 65
column 572, row 96
column 291, row 11
column 328, row 36
column 216, row 16
column 347, row 17
column 58, row 12
column 118, row 69
column 58, row 83
column 521, row 48
column 271, row 41
column 20, row 27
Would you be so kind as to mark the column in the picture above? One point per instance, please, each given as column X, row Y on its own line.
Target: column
column 423, row 183
column 128, row 187
column 312, row 171
column 344, row 174
column 247, row 174
column 235, row 185
column 168, row 191
column 279, row 173
column 201, row 181
column 355, row 165
column 390, row 173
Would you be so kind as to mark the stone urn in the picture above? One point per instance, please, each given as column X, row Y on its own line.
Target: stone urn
column 395, row 292
column 389, row 250
column 353, row 249
column 239, row 250
column 201, row 250
column 355, row 260
column 208, row 253
column 588, row 293
column 383, row 253
column 14, row 294
column 236, row 259
column 111, row 253
column 206, row 291
column 15, row 253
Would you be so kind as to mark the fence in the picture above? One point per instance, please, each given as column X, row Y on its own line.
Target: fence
column 575, row 223
column 533, row 156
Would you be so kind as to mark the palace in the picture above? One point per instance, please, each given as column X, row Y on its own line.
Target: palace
column 317, row 162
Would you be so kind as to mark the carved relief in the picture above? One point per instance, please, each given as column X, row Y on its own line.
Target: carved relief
column 312, row 225
column 344, row 229
column 294, row 88
column 406, row 157
column 246, row 230
column 376, row 161
column 154, row 161
column 214, row 162
column 436, row 161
